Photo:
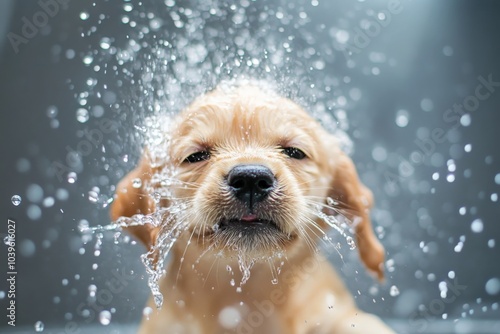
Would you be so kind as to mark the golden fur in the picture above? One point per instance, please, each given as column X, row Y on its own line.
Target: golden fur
column 240, row 126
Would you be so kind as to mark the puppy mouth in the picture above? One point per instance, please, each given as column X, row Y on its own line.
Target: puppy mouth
column 248, row 225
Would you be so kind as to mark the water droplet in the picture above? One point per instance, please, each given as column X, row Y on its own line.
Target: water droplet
column 274, row 281
column 16, row 200
column 136, row 183
column 147, row 311
column 39, row 326
column 426, row 104
column 232, row 282
column 492, row 286
column 105, row 43
column 105, row 317
column 88, row 59
column 128, row 7
column 52, row 111
column 351, row 243
column 477, row 226
column 394, row 291
column 82, row 115
column 84, row 16
column 402, row 118
column 465, row 120
column 72, row 177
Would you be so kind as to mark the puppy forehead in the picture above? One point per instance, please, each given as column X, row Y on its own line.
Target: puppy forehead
column 242, row 115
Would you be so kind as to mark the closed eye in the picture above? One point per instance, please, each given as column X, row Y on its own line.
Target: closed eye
column 294, row 153
column 197, row 157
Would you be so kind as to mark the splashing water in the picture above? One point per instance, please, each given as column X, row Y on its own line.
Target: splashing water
column 338, row 222
column 160, row 73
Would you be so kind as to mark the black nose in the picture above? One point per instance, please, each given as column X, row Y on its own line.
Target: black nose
column 251, row 183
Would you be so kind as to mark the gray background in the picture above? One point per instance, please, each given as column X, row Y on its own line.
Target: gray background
column 419, row 216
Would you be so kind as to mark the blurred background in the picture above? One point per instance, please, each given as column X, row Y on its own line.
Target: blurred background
column 415, row 85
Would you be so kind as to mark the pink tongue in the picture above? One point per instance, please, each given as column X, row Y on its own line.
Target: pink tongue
column 249, row 218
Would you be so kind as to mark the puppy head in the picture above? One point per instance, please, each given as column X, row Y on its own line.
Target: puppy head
column 253, row 168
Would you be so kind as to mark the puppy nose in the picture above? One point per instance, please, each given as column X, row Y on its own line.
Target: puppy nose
column 251, row 183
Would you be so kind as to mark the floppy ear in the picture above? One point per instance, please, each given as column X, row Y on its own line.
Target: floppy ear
column 130, row 200
column 355, row 201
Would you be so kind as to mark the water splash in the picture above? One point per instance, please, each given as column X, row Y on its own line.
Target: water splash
column 338, row 222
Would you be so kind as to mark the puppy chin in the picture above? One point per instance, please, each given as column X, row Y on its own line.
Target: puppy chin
column 258, row 238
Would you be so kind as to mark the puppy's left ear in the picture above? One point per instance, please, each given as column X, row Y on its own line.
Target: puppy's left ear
column 131, row 200
column 355, row 201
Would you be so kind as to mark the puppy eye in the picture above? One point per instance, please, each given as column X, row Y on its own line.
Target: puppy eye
column 198, row 156
column 294, row 153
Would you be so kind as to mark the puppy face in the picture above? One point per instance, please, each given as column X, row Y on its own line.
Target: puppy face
column 252, row 169
column 255, row 162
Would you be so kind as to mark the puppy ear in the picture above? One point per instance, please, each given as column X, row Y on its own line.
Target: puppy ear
column 131, row 199
column 355, row 201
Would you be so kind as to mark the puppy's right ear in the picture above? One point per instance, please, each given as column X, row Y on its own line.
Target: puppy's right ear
column 131, row 199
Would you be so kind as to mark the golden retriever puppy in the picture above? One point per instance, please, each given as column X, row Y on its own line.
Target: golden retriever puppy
column 261, row 181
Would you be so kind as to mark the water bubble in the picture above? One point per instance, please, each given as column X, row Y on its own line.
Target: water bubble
column 72, row 177
column 34, row 212
column 229, row 317
column 128, row 7
column 88, row 59
column 147, row 311
column 105, row 317
column 491, row 243
column 105, row 43
column 379, row 153
column 351, row 243
column 82, row 115
column 6, row 240
column 465, row 120
column 426, row 104
column 477, row 226
column 402, row 118
column 52, row 111
column 39, row 326
column 23, row 165
column 84, row 16
column 232, row 282
column 492, row 286
column 34, row 193
column 136, row 183
column 394, row 291
column 497, row 178
column 155, row 24
column 27, row 248
column 16, row 200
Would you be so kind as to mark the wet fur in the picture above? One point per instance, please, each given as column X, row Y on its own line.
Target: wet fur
column 241, row 125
